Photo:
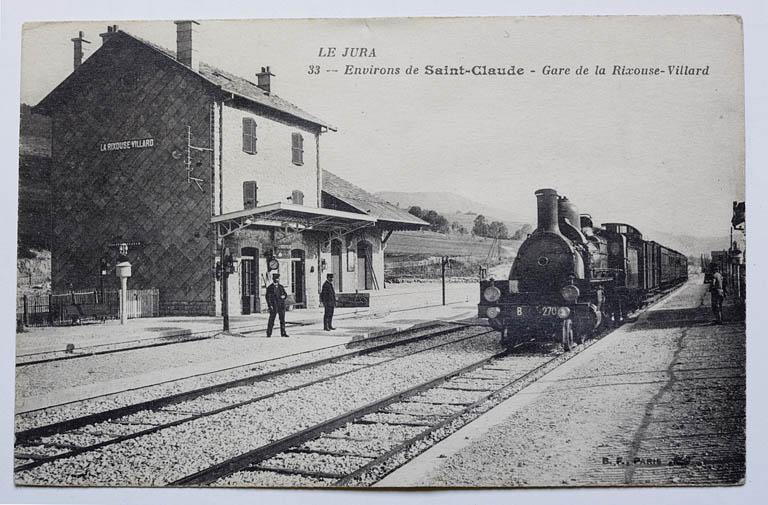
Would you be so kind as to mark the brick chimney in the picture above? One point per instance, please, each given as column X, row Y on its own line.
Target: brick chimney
column 111, row 30
column 186, row 54
column 78, row 42
column 264, row 78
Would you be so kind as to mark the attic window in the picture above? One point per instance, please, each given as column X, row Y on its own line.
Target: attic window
column 297, row 149
column 249, row 135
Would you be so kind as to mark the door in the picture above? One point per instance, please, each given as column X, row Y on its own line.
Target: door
column 249, row 280
column 363, row 265
column 298, row 281
column 336, row 264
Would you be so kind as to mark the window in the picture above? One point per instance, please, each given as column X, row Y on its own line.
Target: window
column 249, row 135
column 249, row 195
column 297, row 148
column 297, row 197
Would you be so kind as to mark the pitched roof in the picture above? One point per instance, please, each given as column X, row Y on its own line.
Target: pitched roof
column 230, row 83
column 367, row 203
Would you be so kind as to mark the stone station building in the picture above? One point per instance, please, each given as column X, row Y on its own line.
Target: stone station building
column 178, row 159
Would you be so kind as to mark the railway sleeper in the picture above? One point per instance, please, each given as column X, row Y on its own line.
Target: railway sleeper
column 456, row 404
column 338, row 454
column 395, row 423
column 291, row 471
column 471, row 390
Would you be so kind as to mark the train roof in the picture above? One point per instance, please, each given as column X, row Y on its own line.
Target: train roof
column 622, row 228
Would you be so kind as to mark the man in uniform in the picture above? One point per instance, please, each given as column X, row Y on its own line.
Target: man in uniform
column 328, row 299
column 717, row 291
column 276, row 296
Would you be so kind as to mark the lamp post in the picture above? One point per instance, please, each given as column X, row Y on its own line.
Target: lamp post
column 444, row 261
column 123, row 273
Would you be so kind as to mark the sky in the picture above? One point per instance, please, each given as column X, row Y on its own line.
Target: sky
column 660, row 152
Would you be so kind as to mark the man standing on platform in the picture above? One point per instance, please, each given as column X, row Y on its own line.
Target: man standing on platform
column 717, row 291
column 276, row 296
column 328, row 299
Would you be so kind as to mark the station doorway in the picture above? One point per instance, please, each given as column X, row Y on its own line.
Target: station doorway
column 364, row 265
column 249, row 280
column 336, row 258
column 298, row 279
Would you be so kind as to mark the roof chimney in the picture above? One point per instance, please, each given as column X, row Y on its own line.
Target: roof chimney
column 186, row 54
column 111, row 30
column 264, row 79
column 78, row 41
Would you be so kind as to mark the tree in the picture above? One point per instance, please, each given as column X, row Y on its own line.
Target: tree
column 497, row 229
column 480, row 227
column 416, row 211
column 440, row 224
column 522, row 232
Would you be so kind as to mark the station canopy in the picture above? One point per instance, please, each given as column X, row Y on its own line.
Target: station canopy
column 298, row 217
column 345, row 208
column 343, row 195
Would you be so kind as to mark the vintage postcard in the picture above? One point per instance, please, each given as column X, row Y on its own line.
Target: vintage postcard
column 394, row 252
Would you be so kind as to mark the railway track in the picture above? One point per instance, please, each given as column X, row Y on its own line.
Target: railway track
column 44, row 357
column 340, row 447
column 362, row 446
column 46, row 444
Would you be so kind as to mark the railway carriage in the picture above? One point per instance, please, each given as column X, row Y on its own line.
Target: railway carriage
column 571, row 277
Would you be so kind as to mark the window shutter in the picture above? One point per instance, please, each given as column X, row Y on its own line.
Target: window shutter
column 297, row 148
column 249, row 135
column 249, row 194
column 297, row 197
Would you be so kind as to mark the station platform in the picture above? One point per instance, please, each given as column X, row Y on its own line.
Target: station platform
column 407, row 299
column 143, row 361
column 660, row 401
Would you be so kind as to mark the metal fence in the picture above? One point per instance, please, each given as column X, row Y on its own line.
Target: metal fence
column 79, row 306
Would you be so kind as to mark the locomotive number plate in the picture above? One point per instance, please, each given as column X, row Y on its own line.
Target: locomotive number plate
column 548, row 310
column 529, row 311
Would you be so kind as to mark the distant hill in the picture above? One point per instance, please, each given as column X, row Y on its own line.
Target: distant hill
column 687, row 244
column 454, row 207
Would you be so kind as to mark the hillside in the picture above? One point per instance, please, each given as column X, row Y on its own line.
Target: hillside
column 419, row 244
column 687, row 244
column 454, row 207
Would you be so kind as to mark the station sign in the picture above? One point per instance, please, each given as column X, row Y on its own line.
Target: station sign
column 124, row 145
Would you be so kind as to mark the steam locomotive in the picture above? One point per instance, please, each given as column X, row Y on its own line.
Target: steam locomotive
column 570, row 277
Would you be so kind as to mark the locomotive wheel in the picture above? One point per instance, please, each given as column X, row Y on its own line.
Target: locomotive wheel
column 508, row 338
column 581, row 338
column 567, row 335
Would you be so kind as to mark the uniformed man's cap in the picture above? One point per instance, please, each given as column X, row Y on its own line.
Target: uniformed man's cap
column 275, row 276
column 330, row 275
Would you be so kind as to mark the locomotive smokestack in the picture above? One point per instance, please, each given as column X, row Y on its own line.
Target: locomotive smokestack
column 546, row 204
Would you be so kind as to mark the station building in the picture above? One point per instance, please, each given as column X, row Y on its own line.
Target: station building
column 178, row 161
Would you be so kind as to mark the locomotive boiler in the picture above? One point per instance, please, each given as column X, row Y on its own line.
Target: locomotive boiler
column 570, row 277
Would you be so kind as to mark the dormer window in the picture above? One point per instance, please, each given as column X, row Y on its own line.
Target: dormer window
column 249, row 135
column 297, row 149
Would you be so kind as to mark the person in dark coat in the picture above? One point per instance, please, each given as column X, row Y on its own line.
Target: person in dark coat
column 717, row 291
column 276, row 296
column 328, row 299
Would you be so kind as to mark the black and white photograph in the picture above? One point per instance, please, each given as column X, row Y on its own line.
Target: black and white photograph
column 389, row 253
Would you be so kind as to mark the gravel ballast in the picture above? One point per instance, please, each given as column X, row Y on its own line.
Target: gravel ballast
column 53, row 372
column 195, row 445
